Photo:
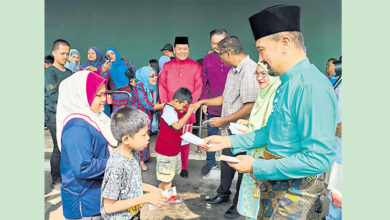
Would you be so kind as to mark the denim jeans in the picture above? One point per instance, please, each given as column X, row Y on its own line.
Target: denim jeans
column 210, row 156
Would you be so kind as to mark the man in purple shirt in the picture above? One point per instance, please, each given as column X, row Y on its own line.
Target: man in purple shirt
column 214, row 73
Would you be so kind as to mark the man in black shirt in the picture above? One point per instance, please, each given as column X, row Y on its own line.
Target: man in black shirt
column 54, row 75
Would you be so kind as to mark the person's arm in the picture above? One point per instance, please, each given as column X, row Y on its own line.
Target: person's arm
column 112, row 187
column 77, row 145
column 50, row 92
column 113, row 206
column 162, row 87
column 315, row 115
column 180, row 124
column 103, row 71
column 216, row 101
column 150, row 188
column 252, row 140
column 241, row 113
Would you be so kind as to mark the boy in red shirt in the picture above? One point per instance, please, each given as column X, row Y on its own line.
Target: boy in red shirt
column 168, row 142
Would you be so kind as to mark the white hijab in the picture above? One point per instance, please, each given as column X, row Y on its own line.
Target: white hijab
column 73, row 103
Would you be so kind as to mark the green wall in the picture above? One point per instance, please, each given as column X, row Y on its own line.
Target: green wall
column 138, row 29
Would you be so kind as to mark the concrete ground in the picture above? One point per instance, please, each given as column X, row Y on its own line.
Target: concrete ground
column 194, row 189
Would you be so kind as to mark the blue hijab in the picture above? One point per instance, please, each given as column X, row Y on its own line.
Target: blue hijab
column 71, row 65
column 117, row 70
column 142, row 76
column 98, row 62
column 162, row 60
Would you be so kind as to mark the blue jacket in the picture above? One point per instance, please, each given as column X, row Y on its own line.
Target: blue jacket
column 83, row 161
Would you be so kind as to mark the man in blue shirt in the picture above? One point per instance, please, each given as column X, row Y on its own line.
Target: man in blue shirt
column 299, row 138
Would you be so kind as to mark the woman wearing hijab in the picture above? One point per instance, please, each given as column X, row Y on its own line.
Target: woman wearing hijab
column 84, row 137
column 114, row 71
column 143, row 100
column 249, row 196
column 95, row 60
column 73, row 63
column 162, row 60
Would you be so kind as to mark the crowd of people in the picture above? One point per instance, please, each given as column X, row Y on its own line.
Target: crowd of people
column 291, row 143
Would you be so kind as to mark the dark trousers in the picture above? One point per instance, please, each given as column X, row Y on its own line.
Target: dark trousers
column 227, row 175
column 55, row 160
column 210, row 156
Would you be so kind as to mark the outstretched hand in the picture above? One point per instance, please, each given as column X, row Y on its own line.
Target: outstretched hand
column 244, row 166
column 216, row 143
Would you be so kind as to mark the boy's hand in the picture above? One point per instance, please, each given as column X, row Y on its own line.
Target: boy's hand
column 192, row 108
column 156, row 198
column 197, row 104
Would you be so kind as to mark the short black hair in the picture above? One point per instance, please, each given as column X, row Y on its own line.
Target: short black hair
column 183, row 94
column 332, row 59
column 49, row 59
column 57, row 43
column 232, row 44
column 154, row 64
column 218, row 31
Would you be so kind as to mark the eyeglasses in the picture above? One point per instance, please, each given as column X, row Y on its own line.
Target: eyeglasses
column 220, row 53
column 153, row 76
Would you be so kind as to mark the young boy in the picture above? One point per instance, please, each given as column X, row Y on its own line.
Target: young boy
column 168, row 142
column 122, row 187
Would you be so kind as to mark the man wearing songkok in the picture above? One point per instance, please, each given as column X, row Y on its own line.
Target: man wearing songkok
column 178, row 73
column 300, row 133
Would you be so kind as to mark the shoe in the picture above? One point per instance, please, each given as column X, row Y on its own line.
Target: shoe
column 206, row 169
column 216, row 201
column 184, row 173
column 232, row 212
column 55, row 185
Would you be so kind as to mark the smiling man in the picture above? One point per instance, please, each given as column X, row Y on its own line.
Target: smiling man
column 299, row 137
column 54, row 75
column 177, row 73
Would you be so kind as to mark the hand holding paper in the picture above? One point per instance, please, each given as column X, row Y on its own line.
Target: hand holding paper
column 245, row 164
column 217, row 143
column 229, row 159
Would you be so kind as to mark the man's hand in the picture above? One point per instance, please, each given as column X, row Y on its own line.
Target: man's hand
column 244, row 166
column 339, row 130
column 217, row 121
column 217, row 143
column 204, row 109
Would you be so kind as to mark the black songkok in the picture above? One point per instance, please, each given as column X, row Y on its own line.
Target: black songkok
column 181, row 40
column 275, row 19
